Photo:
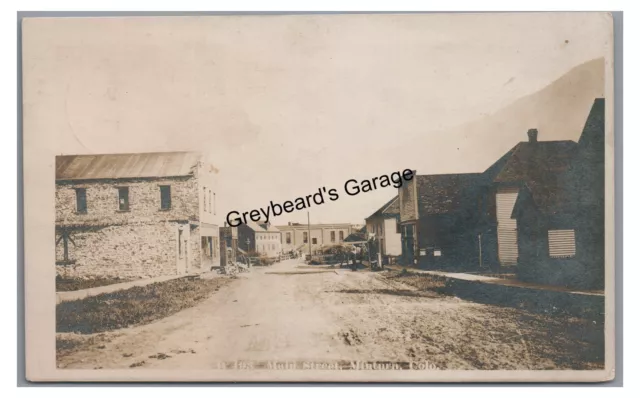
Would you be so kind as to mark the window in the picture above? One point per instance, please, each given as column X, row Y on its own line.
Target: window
column 214, row 203
column 81, row 200
column 562, row 243
column 305, row 237
column 210, row 207
column 314, row 241
column 204, row 199
column 288, row 238
column 341, row 235
column 165, row 197
column 333, row 236
column 179, row 243
column 123, row 198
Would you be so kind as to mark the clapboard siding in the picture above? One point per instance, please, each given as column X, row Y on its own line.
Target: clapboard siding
column 562, row 243
column 507, row 226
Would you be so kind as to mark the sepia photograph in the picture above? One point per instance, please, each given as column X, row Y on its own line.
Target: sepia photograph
column 319, row 198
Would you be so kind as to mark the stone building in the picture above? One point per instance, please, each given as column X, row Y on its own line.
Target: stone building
column 296, row 236
column 135, row 215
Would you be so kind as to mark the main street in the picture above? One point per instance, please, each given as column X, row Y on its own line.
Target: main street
column 292, row 313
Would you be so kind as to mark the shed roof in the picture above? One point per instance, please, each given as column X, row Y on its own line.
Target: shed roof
column 355, row 237
column 126, row 165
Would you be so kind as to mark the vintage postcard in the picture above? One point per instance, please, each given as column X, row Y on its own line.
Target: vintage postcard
column 336, row 198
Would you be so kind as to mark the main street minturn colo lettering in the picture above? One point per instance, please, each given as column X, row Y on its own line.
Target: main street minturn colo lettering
column 352, row 187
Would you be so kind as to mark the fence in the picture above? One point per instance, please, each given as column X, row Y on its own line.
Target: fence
column 258, row 261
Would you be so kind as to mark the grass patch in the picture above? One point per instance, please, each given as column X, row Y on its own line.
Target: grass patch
column 136, row 306
column 71, row 284
column 418, row 280
column 67, row 343
column 544, row 301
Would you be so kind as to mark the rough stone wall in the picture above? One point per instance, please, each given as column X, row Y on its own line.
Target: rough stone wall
column 125, row 251
column 144, row 201
column 138, row 243
column 195, row 259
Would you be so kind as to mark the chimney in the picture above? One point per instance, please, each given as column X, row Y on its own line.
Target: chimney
column 533, row 135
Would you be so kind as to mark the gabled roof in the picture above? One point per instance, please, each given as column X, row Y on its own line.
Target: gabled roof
column 254, row 226
column 261, row 227
column 269, row 228
column 389, row 209
column 446, row 193
column 531, row 160
column 126, row 165
column 581, row 181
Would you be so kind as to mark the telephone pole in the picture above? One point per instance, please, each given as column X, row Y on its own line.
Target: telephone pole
column 309, row 237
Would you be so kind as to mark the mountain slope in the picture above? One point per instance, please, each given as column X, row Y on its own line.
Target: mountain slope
column 558, row 111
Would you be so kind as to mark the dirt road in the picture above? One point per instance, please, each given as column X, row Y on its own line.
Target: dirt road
column 293, row 312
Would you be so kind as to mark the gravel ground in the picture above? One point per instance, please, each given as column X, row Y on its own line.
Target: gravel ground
column 290, row 312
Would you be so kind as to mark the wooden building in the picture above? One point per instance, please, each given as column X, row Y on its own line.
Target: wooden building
column 384, row 225
column 560, row 215
column 441, row 217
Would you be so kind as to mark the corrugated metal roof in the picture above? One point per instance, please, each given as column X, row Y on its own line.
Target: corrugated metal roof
column 126, row 165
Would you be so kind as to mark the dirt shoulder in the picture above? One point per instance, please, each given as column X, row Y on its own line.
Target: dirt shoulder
column 82, row 323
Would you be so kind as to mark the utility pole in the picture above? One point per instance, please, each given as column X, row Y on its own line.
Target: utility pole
column 379, row 253
column 480, row 249
column 309, row 237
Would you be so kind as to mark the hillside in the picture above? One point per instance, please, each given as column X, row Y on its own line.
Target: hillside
column 558, row 111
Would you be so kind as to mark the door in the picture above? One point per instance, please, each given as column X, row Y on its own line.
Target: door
column 182, row 251
column 507, row 226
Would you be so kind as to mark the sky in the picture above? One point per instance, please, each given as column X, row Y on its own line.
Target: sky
column 284, row 105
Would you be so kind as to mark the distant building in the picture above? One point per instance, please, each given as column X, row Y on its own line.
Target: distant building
column 296, row 236
column 135, row 215
column 263, row 239
column 384, row 223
